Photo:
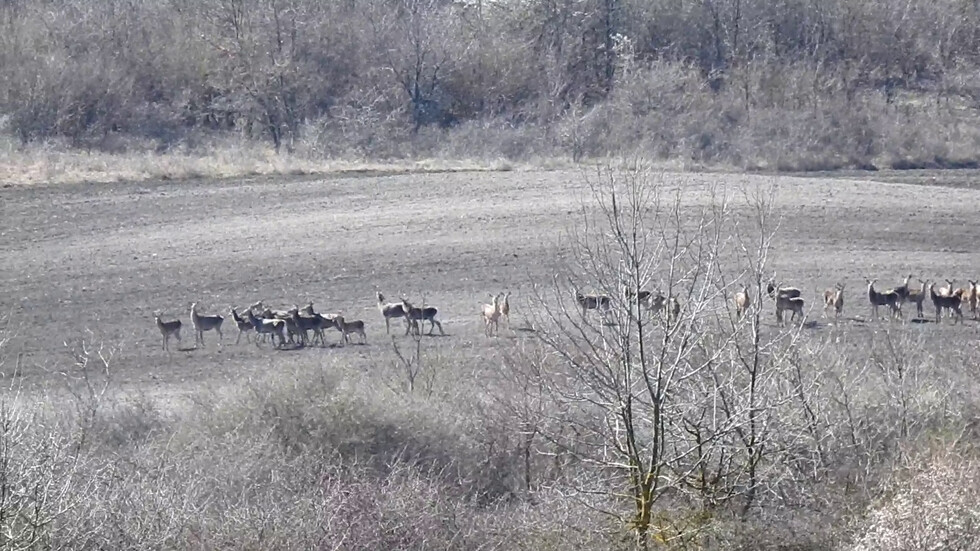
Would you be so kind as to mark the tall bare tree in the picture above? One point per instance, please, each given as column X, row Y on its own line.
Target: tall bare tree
column 660, row 390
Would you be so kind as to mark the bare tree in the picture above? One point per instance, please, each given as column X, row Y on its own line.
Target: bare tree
column 418, row 41
column 672, row 396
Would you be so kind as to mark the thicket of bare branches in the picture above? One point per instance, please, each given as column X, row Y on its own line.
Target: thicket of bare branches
column 748, row 83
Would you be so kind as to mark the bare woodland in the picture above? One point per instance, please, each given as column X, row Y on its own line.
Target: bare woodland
column 790, row 85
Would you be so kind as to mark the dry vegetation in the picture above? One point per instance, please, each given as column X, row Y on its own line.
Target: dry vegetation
column 221, row 86
column 727, row 431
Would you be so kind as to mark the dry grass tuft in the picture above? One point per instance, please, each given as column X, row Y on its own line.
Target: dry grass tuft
column 55, row 164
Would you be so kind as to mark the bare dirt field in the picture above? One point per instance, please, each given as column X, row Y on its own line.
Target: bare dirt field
column 94, row 261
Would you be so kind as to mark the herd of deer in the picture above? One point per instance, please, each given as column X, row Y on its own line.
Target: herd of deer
column 948, row 299
column 288, row 326
column 654, row 301
column 294, row 325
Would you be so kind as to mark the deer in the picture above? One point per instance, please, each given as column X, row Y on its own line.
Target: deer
column 888, row 298
column 674, row 309
column 642, row 297
column 244, row 326
column 505, row 308
column 271, row 327
column 269, row 313
column 774, row 290
column 903, row 289
column 592, row 302
column 974, row 298
column 917, row 297
column 948, row 289
column 415, row 315
column 742, row 301
column 834, row 298
column 794, row 304
column 391, row 311
column 968, row 296
column 167, row 329
column 304, row 324
column 946, row 302
column 348, row 327
column 205, row 323
column 491, row 314
column 657, row 302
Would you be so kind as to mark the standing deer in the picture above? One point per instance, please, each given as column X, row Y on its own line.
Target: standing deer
column 205, row 323
column 167, row 328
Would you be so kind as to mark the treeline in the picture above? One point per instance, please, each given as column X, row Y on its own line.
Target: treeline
column 751, row 83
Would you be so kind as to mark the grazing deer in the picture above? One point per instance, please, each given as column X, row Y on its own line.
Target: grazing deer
column 205, row 323
column 416, row 315
column 167, row 328
column 888, row 298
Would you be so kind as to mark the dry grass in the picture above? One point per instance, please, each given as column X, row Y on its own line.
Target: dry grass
column 56, row 164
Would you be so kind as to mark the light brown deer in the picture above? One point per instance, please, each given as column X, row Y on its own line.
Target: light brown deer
column 505, row 308
column 742, row 301
column 491, row 315
column 834, row 298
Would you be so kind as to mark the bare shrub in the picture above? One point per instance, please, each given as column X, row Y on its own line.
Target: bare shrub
column 935, row 508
